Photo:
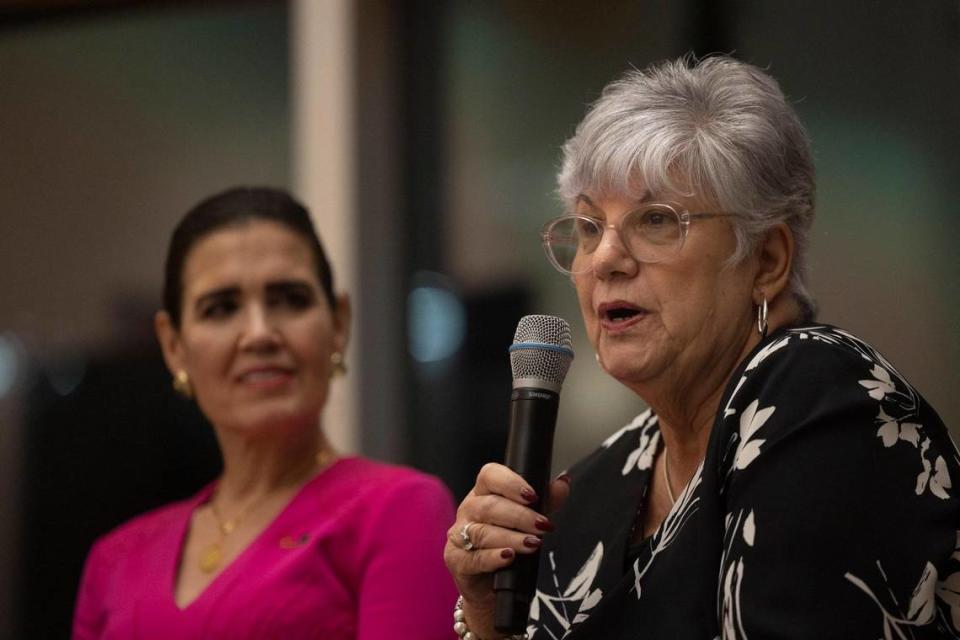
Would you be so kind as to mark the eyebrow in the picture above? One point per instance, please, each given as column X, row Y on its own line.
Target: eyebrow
column 281, row 286
column 223, row 292
column 276, row 286
column 586, row 200
column 645, row 197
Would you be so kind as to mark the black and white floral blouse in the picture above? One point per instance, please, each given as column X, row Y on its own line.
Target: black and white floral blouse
column 824, row 508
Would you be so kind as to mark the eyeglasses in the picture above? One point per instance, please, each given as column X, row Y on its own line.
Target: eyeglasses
column 653, row 233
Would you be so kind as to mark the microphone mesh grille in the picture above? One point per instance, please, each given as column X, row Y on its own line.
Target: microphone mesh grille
column 539, row 361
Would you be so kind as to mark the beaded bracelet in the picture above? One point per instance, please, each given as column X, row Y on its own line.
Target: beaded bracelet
column 463, row 631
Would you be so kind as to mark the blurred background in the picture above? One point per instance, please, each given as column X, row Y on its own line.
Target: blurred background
column 424, row 137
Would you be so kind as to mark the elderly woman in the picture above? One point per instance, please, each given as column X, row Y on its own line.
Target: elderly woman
column 293, row 540
column 786, row 480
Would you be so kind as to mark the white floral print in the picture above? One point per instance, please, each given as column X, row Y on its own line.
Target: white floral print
column 948, row 593
column 579, row 593
column 912, row 592
column 890, row 430
column 762, row 355
column 751, row 420
column 683, row 509
column 638, row 422
column 731, row 614
column 934, row 476
column 921, row 608
column 641, row 458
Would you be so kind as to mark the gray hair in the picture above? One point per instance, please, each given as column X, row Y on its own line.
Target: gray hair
column 717, row 128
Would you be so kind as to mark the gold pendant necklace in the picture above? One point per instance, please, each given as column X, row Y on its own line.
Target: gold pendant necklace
column 211, row 557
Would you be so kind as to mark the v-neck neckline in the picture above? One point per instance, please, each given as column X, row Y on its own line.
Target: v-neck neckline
column 633, row 550
column 226, row 576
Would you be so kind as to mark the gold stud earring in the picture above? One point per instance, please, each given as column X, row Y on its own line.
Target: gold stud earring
column 181, row 384
column 339, row 366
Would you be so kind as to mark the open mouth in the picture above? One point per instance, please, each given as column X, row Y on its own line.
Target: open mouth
column 620, row 314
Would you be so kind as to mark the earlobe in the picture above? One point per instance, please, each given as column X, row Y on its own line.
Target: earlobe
column 775, row 256
column 169, row 339
column 341, row 321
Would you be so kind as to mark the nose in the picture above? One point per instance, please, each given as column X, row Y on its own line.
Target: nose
column 259, row 332
column 611, row 257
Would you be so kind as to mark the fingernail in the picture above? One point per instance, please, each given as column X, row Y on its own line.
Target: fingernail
column 543, row 524
column 528, row 494
column 506, row 553
column 564, row 477
column 532, row 541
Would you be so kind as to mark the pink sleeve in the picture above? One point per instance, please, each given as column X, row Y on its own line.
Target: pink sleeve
column 88, row 616
column 405, row 591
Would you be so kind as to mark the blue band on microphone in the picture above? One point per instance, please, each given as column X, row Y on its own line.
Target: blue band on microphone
column 541, row 346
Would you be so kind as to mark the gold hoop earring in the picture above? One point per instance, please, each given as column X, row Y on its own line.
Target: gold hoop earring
column 182, row 385
column 762, row 318
column 339, row 366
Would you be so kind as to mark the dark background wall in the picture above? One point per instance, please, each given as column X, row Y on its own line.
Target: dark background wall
column 113, row 121
column 877, row 84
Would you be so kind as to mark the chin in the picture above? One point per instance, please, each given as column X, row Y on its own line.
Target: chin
column 277, row 418
column 622, row 369
column 627, row 366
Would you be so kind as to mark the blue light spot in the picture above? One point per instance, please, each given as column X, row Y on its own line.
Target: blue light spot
column 436, row 323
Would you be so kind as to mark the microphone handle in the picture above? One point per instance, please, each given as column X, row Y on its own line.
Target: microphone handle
column 533, row 418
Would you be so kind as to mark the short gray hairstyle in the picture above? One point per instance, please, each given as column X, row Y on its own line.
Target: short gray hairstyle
column 717, row 128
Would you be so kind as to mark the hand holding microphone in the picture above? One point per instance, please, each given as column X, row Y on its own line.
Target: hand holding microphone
column 501, row 518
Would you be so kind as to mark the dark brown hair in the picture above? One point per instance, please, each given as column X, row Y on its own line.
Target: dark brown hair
column 233, row 208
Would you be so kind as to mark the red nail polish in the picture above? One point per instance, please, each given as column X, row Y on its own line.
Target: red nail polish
column 506, row 554
column 528, row 494
column 532, row 541
column 543, row 524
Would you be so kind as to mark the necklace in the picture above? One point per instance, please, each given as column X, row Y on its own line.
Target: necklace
column 666, row 477
column 212, row 555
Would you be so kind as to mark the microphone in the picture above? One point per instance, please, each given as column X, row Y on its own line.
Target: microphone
column 539, row 358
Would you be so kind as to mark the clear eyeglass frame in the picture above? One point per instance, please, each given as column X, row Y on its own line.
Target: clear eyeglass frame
column 660, row 236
